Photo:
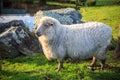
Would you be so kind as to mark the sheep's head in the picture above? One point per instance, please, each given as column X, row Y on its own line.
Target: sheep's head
column 46, row 26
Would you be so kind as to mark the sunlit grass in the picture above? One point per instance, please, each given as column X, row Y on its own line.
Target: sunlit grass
column 22, row 68
column 109, row 15
column 61, row 4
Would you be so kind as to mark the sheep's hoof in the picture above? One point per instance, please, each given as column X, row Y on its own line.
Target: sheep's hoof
column 91, row 68
column 103, row 67
column 57, row 69
column 106, row 66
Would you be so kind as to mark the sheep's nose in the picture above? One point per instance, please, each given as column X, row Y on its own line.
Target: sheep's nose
column 38, row 33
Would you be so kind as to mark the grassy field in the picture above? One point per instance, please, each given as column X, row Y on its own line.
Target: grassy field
column 39, row 68
column 109, row 15
column 24, row 68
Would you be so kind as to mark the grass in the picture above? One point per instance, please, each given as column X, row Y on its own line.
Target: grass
column 60, row 4
column 109, row 15
column 23, row 68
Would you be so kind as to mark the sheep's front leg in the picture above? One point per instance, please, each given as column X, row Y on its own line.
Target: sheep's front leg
column 60, row 65
column 92, row 63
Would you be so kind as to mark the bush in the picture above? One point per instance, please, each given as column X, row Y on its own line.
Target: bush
column 91, row 2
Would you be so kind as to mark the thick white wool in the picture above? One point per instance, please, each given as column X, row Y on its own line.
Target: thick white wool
column 75, row 41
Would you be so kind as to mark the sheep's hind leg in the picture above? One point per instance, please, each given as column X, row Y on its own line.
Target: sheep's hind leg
column 103, row 60
column 91, row 67
column 60, row 65
column 103, row 64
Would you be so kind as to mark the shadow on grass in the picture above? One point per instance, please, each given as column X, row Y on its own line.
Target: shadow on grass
column 105, row 76
column 13, row 75
column 37, row 59
column 115, row 69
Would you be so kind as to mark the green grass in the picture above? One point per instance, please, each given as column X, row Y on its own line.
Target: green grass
column 109, row 15
column 60, row 4
column 22, row 68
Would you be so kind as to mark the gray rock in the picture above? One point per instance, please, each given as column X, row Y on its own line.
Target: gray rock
column 7, row 25
column 65, row 16
column 17, row 39
column 7, row 51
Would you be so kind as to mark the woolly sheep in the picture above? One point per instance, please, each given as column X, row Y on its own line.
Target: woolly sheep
column 77, row 41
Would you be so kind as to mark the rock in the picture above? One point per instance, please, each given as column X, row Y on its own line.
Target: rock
column 26, row 18
column 14, row 23
column 7, row 51
column 65, row 16
column 16, row 39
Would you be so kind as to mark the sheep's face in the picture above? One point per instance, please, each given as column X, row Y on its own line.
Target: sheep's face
column 46, row 26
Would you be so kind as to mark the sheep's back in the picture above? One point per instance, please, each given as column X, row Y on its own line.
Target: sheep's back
column 83, row 40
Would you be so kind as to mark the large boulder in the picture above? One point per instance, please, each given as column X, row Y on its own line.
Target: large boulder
column 16, row 39
column 26, row 18
column 65, row 16
column 8, row 51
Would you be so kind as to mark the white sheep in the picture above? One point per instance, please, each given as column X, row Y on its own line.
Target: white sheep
column 77, row 41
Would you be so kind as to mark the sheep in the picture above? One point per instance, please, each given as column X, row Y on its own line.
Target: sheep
column 77, row 41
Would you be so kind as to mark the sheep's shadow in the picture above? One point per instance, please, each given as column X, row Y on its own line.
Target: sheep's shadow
column 11, row 74
column 114, row 69
column 105, row 76
column 37, row 59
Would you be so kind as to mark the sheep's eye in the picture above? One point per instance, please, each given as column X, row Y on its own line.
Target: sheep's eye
column 48, row 25
column 51, row 24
